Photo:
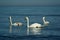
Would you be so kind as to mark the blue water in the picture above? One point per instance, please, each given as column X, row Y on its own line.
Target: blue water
column 35, row 14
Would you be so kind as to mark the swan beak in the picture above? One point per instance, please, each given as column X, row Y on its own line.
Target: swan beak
column 25, row 18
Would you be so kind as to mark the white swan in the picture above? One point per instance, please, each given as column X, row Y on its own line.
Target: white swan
column 35, row 25
column 14, row 24
column 45, row 22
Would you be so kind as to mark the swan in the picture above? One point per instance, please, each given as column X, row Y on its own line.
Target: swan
column 14, row 24
column 45, row 22
column 35, row 25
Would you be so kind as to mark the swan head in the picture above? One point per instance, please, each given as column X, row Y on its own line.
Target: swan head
column 26, row 18
column 44, row 18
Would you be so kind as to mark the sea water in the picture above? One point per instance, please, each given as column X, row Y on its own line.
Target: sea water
column 35, row 14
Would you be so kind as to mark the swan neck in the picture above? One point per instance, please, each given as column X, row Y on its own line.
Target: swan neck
column 44, row 20
column 28, row 22
column 10, row 20
column 10, row 24
column 27, row 26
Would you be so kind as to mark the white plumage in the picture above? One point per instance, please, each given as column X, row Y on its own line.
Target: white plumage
column 36, row 25
column 14, row 24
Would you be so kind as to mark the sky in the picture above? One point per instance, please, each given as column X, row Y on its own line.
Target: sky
column 29, row 2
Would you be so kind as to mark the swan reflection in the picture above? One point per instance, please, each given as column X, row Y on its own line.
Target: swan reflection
column 36, row 27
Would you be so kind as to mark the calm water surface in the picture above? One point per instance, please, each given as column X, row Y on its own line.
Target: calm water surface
column 35, row 15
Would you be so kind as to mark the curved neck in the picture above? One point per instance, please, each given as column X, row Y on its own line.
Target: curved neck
column 10, row 24
column 10, row 20
column 27, row 26
column 44, row 20
column 28, row 22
